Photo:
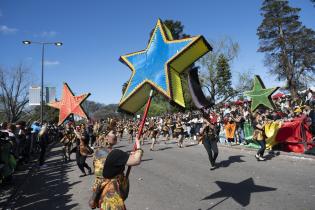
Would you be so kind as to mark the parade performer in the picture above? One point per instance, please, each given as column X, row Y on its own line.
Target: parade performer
column 67, row 141
column 153, row 133
column 120, row 130
column 111, row 186
column 179, row 132
column 82, row 150
column 105, row 143
column 261, row 98
column 165, row 130
column 259, row 135
column 145, row 134
column 130, row 132
column 209, row 132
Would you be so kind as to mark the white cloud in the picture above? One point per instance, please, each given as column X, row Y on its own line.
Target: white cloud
column 6, row 30
column 46, row 34
column 50, row 63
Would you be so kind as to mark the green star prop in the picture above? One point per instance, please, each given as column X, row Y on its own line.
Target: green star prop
column 260, row 95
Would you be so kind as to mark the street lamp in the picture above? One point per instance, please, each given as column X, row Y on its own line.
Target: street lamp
column 58, row 44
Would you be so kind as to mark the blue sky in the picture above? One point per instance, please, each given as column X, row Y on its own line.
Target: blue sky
column 95, row 33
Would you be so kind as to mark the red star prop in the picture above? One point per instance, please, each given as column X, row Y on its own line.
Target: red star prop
column 69, row 104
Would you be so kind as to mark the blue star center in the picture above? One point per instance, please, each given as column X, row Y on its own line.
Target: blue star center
column 150, row 65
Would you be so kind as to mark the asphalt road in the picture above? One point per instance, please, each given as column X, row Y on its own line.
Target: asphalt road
column 180, row 178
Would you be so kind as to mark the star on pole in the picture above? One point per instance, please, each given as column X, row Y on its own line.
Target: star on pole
column 158, row 66
column 69, row 104
column 260, row 95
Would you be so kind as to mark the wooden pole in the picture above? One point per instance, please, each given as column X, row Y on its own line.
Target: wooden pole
column 137, row 143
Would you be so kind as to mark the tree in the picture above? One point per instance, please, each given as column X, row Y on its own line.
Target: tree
column 212, row 78
column 14, row 86
column 224, row 77
column 91, row 107
column 245, row 82
column 289, row 46
column 176, row 28
column 51, row 115
column 124, row 87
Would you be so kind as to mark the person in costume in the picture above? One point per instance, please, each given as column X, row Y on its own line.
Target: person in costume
column 120, row 130
column 145, row 134
column 179, row 133
column 130, row 132
column 67, row 140
column 165, row 130
column 105, row 144
column 259, row 135
column 113, row 186
column 209, row 132
column 82, row 150
column 153, row 133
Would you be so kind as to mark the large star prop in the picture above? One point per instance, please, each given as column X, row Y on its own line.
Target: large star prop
column 69, row 104
column 260, row 95
column 159, row 66
column 239, row 192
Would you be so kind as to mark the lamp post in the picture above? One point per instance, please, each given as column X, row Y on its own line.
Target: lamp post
column 58, row 44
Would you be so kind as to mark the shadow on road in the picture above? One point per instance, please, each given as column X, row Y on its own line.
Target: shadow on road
column 271, row 154
column 164, row 148
column 145, row 160
column 191, row 145
column 239, row 192
column 232, row 159
column 46, row 188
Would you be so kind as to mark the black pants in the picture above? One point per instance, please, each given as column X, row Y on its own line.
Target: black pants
column 42, row 153
column 81, row 162
column 211, row 147
column 92, row 140
column 262, row 149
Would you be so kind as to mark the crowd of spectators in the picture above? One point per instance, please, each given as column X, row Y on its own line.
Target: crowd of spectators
column 237, row 112
column 21, row 143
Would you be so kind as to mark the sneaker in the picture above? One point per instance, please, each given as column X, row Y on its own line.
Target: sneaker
column 82, row 175
column 261, row 158
column 212, row 168
column 257, row 157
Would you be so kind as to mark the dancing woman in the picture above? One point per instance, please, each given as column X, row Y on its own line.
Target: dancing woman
column 179, row 133
column 259, row 135
column 209, row 133
column 82, row 150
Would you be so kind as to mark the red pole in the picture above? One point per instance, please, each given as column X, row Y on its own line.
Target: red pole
column 137, row 143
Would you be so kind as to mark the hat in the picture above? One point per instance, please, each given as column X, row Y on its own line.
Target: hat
column 297, row 110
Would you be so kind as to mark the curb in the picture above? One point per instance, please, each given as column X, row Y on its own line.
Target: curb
column 278, row 152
